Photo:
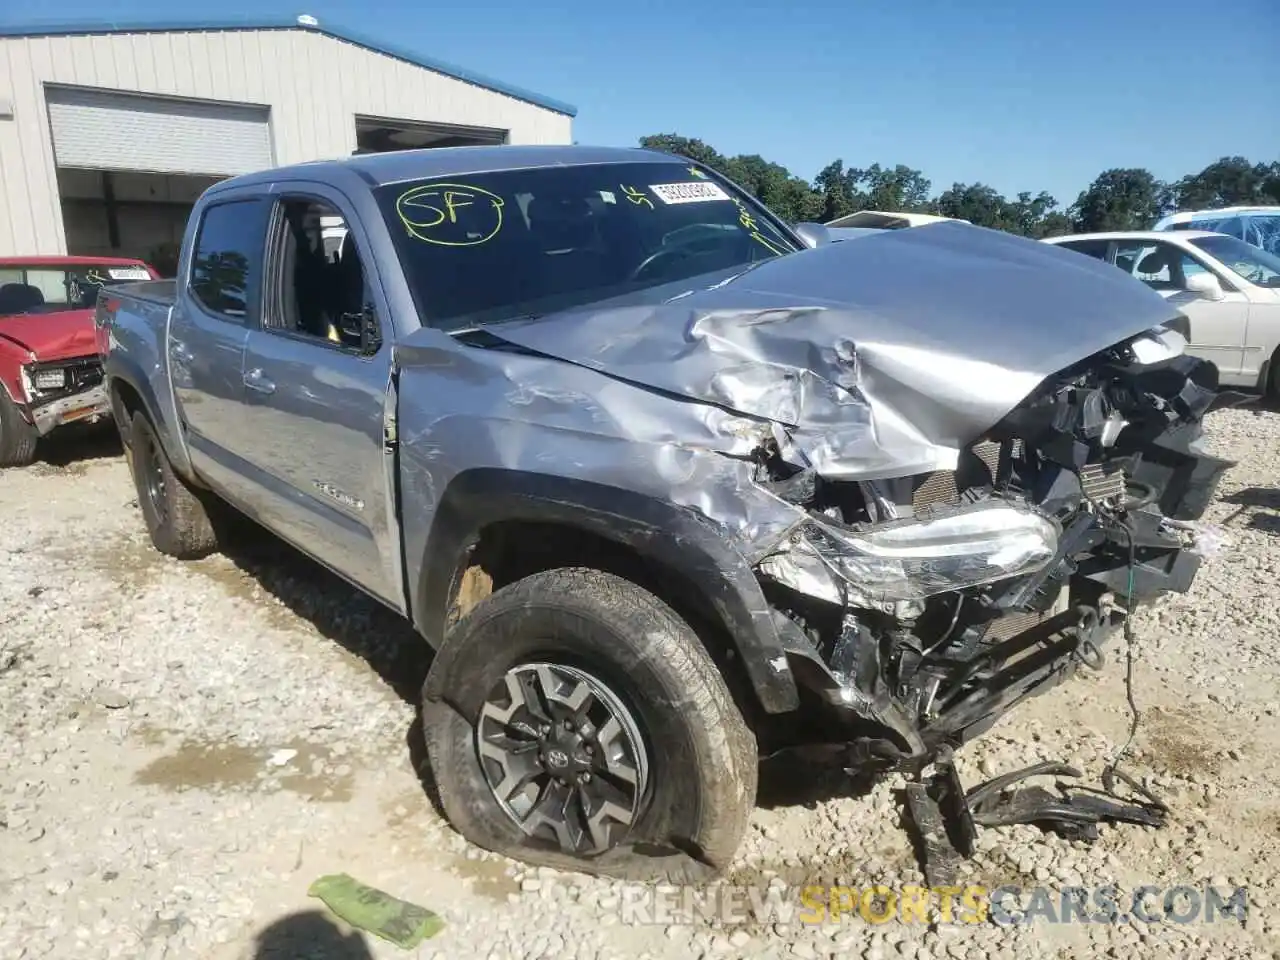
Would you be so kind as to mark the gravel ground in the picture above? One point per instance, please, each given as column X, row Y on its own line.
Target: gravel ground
column 188, row 746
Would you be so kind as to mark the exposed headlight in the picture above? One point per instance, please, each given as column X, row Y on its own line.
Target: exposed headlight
column 49, row 379
column 909, row 560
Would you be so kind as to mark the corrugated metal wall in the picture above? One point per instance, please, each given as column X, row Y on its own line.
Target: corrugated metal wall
column 314, row 84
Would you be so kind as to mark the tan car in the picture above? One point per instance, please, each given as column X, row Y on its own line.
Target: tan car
column 1228, row 289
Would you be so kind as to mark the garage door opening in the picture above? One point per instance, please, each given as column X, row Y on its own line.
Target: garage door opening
column 374, row 135
column 108, row 213
column 130, row 167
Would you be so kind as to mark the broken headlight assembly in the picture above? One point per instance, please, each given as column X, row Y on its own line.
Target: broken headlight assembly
column 910, row 560
column 50, row 378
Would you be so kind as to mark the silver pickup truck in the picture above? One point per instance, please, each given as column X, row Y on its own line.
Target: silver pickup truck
column 667, row 484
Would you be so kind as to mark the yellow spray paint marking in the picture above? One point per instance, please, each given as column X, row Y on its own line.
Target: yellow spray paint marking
column 636, row 196
column 450, row 214
column 749, row 224
column 697, row 173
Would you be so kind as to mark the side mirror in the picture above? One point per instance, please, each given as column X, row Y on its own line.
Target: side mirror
column 813, row 234
column 1206, row 285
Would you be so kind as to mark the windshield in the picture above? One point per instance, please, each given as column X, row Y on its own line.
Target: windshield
column 1245, row 260
column 482, row 248
column 47, row 289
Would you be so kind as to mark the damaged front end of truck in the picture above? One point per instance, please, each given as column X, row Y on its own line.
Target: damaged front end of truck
column 922, row 607
column 952, row 493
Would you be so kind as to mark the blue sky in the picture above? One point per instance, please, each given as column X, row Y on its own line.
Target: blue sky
column 1019, row 94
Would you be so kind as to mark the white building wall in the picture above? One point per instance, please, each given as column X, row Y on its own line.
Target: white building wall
column 313, row 83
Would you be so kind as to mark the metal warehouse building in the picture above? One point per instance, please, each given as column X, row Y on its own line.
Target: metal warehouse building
column 108, row 133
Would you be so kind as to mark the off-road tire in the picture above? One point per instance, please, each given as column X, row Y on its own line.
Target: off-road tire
column 702, row 756
column 17, row 437
column 176, row 516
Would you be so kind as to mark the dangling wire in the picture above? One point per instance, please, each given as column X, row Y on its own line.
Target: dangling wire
column 1113, row 768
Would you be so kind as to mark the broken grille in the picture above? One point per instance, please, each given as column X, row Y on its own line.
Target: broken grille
column 941, row 488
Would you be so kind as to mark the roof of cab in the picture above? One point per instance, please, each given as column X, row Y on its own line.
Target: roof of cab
column 397, row 166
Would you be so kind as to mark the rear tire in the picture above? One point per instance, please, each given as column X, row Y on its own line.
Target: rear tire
column 675, row 797
column 17, row 437
column 176, row 516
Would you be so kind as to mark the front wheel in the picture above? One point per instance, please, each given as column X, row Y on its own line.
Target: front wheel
column 17, row 437
column 582, row 725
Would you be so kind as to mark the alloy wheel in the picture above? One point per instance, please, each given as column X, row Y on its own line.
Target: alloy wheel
column 563, row 756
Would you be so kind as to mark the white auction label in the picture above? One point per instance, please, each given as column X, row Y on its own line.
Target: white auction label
column 695, row 191
column 128, row 273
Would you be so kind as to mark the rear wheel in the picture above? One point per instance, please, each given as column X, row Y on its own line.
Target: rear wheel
column 176, row 517
column 17, row 437
column 1272, row 391
column 584, row 726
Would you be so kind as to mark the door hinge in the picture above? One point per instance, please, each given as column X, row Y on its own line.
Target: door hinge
column 390, row 441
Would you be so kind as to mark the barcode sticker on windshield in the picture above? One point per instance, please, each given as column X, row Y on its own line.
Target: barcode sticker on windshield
column 697, row 191
column 128, row 273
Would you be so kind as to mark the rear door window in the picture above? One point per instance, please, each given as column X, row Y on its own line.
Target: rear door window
column 226, row 266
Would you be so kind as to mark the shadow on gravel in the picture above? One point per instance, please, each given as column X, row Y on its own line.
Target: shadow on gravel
column 792, row 779
column 309, row 934
column 72, row 446
column 341, row 613
column 1256, row 499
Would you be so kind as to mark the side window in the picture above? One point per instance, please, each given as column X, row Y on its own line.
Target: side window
column 1264, row 232
column 1232, row 227
column 1093, row 248
column 228, row 253
column 319, row 287
column 1161, row 266
column 1129, row 253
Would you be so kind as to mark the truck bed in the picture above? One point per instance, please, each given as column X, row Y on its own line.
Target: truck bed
column 163, row 292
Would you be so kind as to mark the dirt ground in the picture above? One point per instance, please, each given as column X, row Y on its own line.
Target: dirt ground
column 187, row 747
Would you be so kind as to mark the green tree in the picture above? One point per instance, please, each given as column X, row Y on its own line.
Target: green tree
column 837, row 191
column 978, row 203
column 1227, row 182
column 685, row 147
column 1119, row 199
column 1030, row 216
column 899, row 188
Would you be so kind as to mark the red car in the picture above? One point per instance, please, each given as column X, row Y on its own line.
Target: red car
column 50, row 371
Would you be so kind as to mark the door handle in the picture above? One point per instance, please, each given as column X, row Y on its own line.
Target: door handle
column 256, row 380
column 178, row 350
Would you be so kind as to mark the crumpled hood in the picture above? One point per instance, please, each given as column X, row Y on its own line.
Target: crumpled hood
column 882, row 357
column 52, row 336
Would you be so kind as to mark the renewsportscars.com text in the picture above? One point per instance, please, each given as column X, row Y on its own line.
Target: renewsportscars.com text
column 974, row 904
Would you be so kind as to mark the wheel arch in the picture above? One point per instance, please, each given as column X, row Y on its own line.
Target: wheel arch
column 671, row 550
column 129, row 391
